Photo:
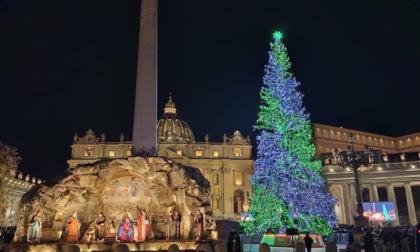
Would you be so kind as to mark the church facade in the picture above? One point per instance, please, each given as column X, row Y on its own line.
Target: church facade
column 227, row 165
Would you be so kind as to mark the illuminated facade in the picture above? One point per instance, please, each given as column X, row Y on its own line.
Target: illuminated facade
column 394, row 176
column 18, row 186
column 227, row 165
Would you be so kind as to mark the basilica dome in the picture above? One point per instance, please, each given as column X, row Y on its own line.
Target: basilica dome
column 171, row 129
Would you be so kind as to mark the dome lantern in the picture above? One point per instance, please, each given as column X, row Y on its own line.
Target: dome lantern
column 170, row 106
column 171, row 129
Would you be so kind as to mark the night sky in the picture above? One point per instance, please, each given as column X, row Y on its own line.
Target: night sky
column 69, row 66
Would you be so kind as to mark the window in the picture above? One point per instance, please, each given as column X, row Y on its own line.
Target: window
column 238, row 178
column 88, row 152
column 111, row 153
column 237, row 152
column 179, row 152
column 215, row 153
column 199, row 153
column 128, row 152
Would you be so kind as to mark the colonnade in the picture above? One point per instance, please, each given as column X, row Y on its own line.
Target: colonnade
column 346, row 206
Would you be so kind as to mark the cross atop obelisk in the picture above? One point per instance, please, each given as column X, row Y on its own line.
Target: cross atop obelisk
column 145, row 110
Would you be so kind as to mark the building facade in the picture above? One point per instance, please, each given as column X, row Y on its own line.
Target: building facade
column 227, row 165
column 15, row 185
column 394, row 175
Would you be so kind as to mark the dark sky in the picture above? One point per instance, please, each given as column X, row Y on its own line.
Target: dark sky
column 67, row 66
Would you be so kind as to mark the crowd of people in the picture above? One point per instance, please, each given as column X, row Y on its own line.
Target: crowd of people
column 378, row 238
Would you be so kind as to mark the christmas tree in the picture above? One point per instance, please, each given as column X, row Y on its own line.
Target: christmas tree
column 288, row 187
column 385, row 211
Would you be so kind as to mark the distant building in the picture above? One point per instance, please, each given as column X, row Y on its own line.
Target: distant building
column 394, row 176
column 18, row 185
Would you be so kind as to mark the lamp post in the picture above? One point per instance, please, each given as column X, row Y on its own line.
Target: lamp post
column 354, row 160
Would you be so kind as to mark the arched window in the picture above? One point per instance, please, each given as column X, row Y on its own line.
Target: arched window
column 238, row 178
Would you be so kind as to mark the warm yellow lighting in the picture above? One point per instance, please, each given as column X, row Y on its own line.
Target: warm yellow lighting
column 111, row 153
column 237, row 152
column 88, row 151
column 179, row 152
column 348, row 169
column 331, row 170
column 198, row 153
column 215, row 153
column 413, row 166
column 379, row 168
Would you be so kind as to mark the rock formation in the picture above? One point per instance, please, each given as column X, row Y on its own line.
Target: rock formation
column 152, row 184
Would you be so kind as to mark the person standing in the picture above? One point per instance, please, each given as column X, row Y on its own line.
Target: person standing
column 177, row 224
column 143, row 226
column 169, row 222
column 146, row 225
column 34, row 229
column 100, row 229
column 308, row 242
column 139, row 225
column 73, row 228
column 199, row 221
column 234, row 242
column 368, row 241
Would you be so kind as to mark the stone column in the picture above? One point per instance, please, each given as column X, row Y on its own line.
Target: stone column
column 410, row 204
column 336, row 192
column 374, row 192
column 352, row 202
column 348, row 203
column 391, row 197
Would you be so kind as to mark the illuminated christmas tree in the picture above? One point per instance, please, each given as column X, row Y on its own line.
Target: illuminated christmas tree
column 385, row 211
column 288, row 187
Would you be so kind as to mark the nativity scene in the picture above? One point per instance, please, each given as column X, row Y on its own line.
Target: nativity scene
column 124, row 200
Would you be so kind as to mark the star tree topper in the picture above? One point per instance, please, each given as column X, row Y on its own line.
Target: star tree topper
column 277, row 35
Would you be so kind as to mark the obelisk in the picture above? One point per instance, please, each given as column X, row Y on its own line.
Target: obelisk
column 145, row 110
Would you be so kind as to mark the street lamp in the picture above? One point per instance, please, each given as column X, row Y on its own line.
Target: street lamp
column 351, row 158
